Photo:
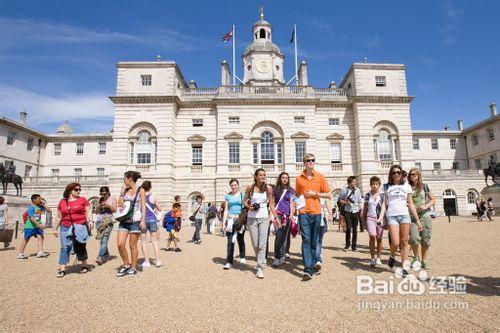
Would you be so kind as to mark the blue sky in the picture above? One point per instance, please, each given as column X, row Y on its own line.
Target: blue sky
column 57, row 58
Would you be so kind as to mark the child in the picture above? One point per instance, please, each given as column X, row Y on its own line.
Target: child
column 370, row 214
column 34, row 227
column 171, row 223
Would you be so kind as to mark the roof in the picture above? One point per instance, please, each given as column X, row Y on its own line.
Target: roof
column 262, row 46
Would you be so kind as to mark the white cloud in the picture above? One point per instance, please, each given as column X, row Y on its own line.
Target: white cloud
column 452, row 17
column 48, row 109
column 428, row 61
column 374, row 41
column 425, row 87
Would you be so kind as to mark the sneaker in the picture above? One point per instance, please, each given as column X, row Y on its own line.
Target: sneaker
column 405, row 273
column 306, row 277
column 243, row 261
column 169, row 249
column 287, row 255
column 373, row 262
column 227, row 266
column 158, row 264
column 354, row 249
column 425, row 264
column 392, row 261
column 282, row 261
column 146, row 264
column 260, row 273
column 379, row 262
column 21, row 256
column 177, row 249
column 414, row 260
column 276, row 262
column 42, row 255
column 132, row 272
column 318, row 265
column 122, row 271
column 346, row 248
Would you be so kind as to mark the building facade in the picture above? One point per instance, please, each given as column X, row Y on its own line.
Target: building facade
column 189, row 140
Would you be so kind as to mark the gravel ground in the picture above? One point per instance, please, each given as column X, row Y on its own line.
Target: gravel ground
column 191, row 292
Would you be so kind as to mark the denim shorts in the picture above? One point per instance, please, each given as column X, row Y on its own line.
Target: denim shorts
column 132, row 228
column 151, row 226
column 399, row 219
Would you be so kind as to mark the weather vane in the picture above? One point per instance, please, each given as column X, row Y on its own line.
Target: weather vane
column 261, row 13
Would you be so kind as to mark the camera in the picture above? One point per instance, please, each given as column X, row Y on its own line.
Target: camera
column 256, row 206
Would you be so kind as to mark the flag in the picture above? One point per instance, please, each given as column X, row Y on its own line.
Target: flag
column 227, row 37
column 293, row 36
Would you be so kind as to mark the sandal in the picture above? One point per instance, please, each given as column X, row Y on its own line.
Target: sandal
column 99, row 261
column 60, row 274
column 84, row 269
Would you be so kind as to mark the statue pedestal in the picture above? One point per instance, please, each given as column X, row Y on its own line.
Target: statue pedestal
column 493, row 192
column 17, row 206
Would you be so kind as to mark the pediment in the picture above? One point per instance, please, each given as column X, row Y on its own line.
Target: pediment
column 300, row 135
column 233, row 136
column 335, row 136
column 196, row 138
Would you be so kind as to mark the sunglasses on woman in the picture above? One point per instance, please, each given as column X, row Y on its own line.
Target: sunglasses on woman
column 77, row 189
column 395, row 173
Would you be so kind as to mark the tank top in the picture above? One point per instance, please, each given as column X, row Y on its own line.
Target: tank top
column 137, row 205
column 262, row 200
column 150, row 216
column 106, row 211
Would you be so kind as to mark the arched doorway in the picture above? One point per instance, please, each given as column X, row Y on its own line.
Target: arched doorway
column 450, row 202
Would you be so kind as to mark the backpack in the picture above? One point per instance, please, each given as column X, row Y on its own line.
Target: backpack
column 25, row 217
column 168, row 218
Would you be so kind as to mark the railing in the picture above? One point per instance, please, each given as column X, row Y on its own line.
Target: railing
column 269, row 167
column 329, row 92
column 387, row 164
column 336, row 166
column 299, row 167
column 262, row 90
column 142, row 167
column 200, row 92
column 196, row 168
column 452, row 172
column 66, row 180
column 233, row 167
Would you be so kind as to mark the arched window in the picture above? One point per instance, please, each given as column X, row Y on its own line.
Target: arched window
column 144, row 149
column 471, row 197
column 384, row 145
column 449, row 193
column 267, row 148
column 262, row 33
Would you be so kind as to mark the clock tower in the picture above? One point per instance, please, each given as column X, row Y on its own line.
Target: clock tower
column 263, row 60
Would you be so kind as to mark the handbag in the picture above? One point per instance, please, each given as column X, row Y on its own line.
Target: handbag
column 294, row 228
column 192, row 218
column 158, row 216
column 126, row 213
column 73, row 231
column 243, row 216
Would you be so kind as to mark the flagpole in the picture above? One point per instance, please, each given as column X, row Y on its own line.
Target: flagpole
column 234, row 52
column 296, row 59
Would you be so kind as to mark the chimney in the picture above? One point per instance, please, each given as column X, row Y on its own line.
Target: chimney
column 303, row 81
column 225, row 73
column 332, row 85
column 192, row 84
column 493, row 109
column 460, row 124
column 22, row 117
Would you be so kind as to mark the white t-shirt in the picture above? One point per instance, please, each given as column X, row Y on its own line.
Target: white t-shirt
column 372, row 205
column 262, row 200
column 397, row 199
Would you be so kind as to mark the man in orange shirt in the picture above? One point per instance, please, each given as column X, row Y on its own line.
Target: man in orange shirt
column 313, row 186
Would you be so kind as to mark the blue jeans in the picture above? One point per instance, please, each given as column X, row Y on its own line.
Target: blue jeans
column 103, row 247
column 67, row 244
column 309, row 230
column 322, row 230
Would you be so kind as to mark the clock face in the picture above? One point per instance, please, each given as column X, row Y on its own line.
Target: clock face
column 263, row 66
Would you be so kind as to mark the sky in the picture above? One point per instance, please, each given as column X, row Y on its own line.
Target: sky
column 57, row 58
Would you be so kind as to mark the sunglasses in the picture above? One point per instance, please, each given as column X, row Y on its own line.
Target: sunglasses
column 77, row 189
column 103, row 193
column 311, row 160
column 413, row 174
column 396, row 173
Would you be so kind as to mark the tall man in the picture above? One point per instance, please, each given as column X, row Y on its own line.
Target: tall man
column 351, row 198
column 313, row 186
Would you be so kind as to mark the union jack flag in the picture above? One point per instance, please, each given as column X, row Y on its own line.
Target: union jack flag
column 227, row 37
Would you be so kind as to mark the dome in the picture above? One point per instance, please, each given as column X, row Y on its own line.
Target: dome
column 65, row 129
column 262, row 45
column 262, row 23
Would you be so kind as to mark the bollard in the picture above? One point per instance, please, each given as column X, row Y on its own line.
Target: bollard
column 17, row 228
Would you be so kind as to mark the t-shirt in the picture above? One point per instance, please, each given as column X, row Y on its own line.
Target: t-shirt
column 234, row 203
column 261, row 199
column 352, row 205
column 397, row 198
column 372, row 204
column 199, row 211
column 284, row 205
column 35, row 212
column 419, row 199
column 3, row 217
column 317, row 184
column 77, row 209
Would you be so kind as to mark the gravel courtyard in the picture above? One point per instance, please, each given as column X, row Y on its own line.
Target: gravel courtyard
column 192, row 292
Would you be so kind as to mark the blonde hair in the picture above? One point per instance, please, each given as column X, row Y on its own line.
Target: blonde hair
column 419, row 184
column 308, row 156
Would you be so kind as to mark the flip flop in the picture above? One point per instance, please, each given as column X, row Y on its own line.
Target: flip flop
column 60, row 274
column 84, row 269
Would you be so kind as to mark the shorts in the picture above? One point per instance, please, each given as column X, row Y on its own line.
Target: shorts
column 132, row 228
column 421, row 237
column 373, row 228
column 28, row 233
column 398, row 219
column 172, row 234
column 151, row 226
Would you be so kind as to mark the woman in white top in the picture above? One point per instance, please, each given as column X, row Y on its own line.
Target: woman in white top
column 4, row 213
column 259, row 201
column 396, row 200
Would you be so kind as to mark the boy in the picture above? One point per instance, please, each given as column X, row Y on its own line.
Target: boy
column 34, row 227
column 171, row 223
column 370, row 214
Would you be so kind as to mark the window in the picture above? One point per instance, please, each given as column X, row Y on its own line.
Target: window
column 333, row 121
column 300, row 151
column 197, row 153
column 55, row 172
column 146, row 80
column 453, row 144
column 30, row 144
column 380, row 81
column 255, row 153
column 416, row 144
column 57, row 148
column 79, row 148
column 279, row 149
column 100, row 171
column 143, row 148
column 418, row 165
column 491, row 134
column 299, row 119
column 437, row 165
column 455, row 166
column 434, row 144
column 336, row 152
column 11, row 138
column 475, row 140
column 27, row 170
column 471, row 197
column 267, row 148
column 197, row 122
column 384, row 145
column 477, row 161
column 102, row 148
column 234, row 153
column 77, row 172
column 143, row 158
column 234, row 120
column 448, row 193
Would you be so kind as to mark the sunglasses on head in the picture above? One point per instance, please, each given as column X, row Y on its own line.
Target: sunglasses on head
column 311, row 160
column 77, row 189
